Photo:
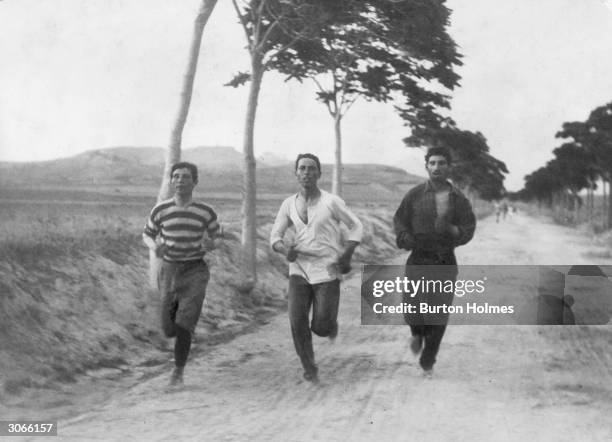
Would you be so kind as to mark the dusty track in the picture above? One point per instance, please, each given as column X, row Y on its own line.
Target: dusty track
column 490, row 383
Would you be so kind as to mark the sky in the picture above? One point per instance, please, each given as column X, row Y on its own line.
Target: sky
column 78, row 75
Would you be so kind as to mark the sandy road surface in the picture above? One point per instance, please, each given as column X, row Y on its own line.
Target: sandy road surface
column 490, row 383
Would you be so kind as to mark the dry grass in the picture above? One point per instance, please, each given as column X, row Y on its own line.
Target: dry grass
column 74, row 296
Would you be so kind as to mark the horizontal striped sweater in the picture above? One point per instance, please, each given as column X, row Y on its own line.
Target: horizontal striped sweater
column 181, row 229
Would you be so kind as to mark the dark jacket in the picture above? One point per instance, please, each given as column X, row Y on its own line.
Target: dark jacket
column 414, row 221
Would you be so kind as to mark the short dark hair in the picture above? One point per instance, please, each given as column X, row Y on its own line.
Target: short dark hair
column 185, row 165
column 310, row 156
column 439, row 151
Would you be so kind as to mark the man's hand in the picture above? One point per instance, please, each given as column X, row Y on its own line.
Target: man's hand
column 218, row 233
column 289, row 252
column 343, row 264
column 160, row 250
column 406, row 241
column 209, row 244
column 444, row 227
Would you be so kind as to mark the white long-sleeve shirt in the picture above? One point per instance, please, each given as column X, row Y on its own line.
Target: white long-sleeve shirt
column 318, row 242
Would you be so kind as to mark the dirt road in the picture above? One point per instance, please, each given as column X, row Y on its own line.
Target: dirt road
column 490, row 383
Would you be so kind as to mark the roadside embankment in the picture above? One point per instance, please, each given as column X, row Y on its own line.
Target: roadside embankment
column 75, row 299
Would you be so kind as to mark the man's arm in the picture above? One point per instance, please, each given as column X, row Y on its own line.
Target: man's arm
column 281, row 223
column 466, row 224
column 404, row 239
column 443, row 226
column 149, row 242
column 214, row 232
column 149, row 235
column 344, row 261
column 350, row 220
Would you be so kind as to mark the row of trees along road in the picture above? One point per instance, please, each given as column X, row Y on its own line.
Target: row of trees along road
column 583, row 160
column 475, row 170
column 378, row 49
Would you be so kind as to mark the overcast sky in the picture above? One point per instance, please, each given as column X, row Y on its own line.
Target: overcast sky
column 79, row 75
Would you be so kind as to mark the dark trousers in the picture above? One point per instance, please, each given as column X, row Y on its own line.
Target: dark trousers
column 324, row 299
column 432, row 267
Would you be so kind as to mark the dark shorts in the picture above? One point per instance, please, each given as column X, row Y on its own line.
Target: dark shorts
column 183, row 288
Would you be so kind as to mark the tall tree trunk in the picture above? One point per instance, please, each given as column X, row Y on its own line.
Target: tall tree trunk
column 173, row 153
column 590, row 203
column 604, row 210
column 337, row 174
column 249, row 216
column 609, row 217
column 576, row 207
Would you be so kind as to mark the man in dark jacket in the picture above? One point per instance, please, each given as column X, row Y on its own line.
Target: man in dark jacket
column 433, row 219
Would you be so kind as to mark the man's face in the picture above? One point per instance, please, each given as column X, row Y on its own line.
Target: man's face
column 183, row 182
column 437, row 168
column 307, row 173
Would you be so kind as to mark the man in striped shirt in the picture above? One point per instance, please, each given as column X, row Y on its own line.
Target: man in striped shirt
column 175, row 231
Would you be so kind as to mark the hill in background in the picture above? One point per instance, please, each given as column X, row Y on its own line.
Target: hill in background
column 136, row 171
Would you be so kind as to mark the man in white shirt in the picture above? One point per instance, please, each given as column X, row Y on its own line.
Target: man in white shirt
column 317, row 258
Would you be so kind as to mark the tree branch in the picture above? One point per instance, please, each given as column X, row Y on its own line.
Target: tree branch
column 282, row 49
column 258, row 21
column 336, row 92
column 242, row 22
column 322, row 90
column 350, row 102
column 269, row 31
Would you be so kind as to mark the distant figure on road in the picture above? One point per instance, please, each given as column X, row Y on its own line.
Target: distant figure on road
column 432, row 219
column 316, row 258
column 504, row 210
column 501, row 210
column 175, row 231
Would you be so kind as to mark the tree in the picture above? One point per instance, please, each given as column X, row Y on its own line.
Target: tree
column 595, row 136
column 474, row 168
column 302, row 37
column 541, row 185
column 576, row 170
column 377, row 50
column 600, row 129
column 559, row 182
column 271, row 28
column 173, row 153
